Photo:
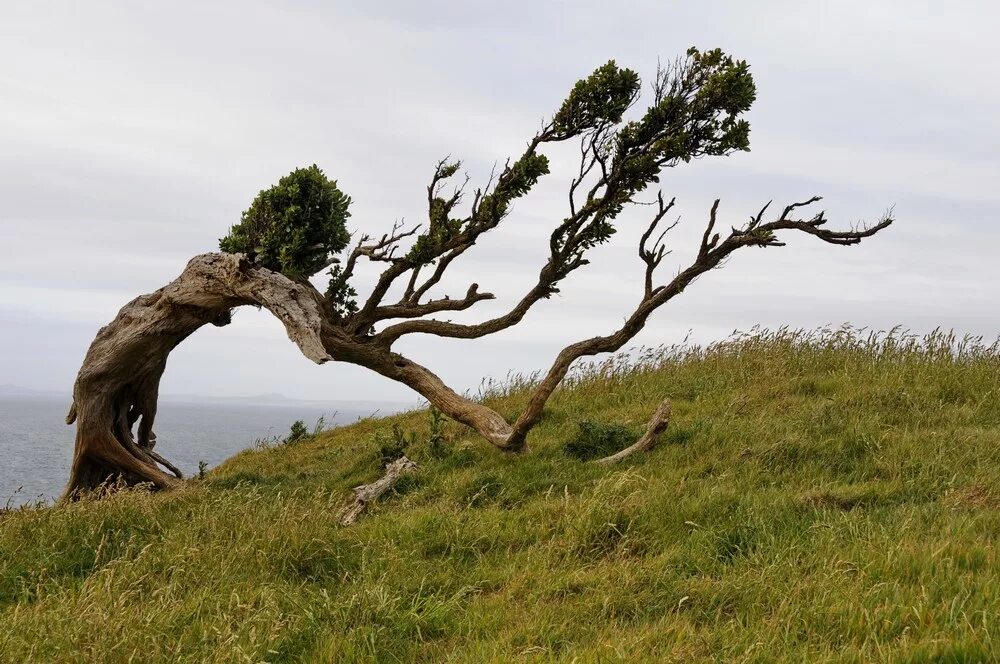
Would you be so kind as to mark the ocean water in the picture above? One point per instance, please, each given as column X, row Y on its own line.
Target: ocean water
column 36, row 446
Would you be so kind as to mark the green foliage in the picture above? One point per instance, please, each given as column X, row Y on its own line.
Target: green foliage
column 436, row 439
column 297, row 432
column 594, row 440
column 340, row 293
column 697, row 114
column 295, row 226
column 202, row 468
column 600, row 99
column 394, row 443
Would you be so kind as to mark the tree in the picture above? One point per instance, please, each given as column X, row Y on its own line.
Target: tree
column 297, row 229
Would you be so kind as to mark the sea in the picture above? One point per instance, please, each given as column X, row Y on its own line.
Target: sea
column 36, row 445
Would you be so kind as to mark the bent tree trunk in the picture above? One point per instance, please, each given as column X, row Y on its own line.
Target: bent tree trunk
column 118, row 384
column 116, row 390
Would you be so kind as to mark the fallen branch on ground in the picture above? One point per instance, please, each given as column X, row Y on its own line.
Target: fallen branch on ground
column 657, row 425
column 367, row 493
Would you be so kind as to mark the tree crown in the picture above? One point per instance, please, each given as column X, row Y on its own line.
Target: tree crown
column 295, row 226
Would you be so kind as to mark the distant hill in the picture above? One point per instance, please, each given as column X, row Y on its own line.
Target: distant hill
column 280, row 400
column 273, row 400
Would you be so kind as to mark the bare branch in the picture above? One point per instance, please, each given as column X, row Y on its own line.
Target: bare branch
column 657, row 425
column 385, row 247
column 790, row 208
column 442, row 265
column 411, row 284
column 589, row 146
column 652, row 257
column 381, row 251
column 414, row 310
column 707, row 259
column 706, row 243
column 452, row 330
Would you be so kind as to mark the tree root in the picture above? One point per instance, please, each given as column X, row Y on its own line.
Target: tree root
column 657, row 425
column 367, row 493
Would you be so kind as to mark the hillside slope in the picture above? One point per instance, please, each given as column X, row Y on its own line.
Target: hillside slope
column 823, row 497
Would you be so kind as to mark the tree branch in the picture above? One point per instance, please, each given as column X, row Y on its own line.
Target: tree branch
column 369, row 493
column 413, row 310
column 653, row 256
column 754, row 234
column 439, row 270
column 657, row 425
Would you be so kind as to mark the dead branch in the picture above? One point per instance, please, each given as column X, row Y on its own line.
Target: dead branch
column 413, row 310
column 369, row 493
column 657, row 425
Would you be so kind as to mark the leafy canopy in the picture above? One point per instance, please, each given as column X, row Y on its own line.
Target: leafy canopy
column 600, row 99
column 696, row 111
column 295, row 226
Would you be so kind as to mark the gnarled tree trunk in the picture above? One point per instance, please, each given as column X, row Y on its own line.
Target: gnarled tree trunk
column 118, row 384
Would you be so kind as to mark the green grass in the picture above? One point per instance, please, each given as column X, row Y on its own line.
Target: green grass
column 818, row 497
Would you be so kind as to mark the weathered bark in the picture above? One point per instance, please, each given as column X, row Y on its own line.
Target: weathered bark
column 657, row 425
column 118, row 383
column 484, row 420
column 368, row 493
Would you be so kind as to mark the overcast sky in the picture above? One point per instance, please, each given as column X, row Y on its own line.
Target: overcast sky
column 133, row 134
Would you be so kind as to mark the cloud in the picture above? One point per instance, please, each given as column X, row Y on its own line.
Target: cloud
column 133, row 134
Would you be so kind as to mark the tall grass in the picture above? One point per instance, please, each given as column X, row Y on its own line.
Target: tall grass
column 824, row 495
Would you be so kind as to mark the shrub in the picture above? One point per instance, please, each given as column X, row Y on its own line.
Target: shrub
column 297, row 432
column 294, row 226
column 594, row 440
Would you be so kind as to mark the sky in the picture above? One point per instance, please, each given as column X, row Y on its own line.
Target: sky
column 132, row 135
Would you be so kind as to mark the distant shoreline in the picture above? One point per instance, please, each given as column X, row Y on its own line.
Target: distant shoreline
column 259, row 400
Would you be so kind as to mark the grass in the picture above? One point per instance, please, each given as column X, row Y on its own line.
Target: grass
column 831, row 496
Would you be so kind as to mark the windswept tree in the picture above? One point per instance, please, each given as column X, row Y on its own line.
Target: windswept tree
column 298, row 229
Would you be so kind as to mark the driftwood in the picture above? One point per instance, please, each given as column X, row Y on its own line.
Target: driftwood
column 367, row 493
column 657, row 425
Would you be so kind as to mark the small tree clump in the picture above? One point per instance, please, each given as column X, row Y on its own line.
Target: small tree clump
column 297, row 432
column 296, row 227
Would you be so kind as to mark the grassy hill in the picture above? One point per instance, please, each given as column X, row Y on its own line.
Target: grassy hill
column 818, row 497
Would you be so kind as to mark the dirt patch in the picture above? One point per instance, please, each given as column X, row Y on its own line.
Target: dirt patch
column 975, row 496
